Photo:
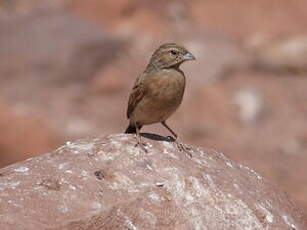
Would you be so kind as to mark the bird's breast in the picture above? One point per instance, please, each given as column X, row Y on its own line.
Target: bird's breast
column 167, row 88
column 164, row 93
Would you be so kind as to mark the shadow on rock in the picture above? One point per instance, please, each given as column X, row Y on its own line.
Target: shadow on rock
column 157, row 137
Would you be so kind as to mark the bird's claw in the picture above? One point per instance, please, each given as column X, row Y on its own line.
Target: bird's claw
column 183, row 148
column 141, row 144
column 172, row 139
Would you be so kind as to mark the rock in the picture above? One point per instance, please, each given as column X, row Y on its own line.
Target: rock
column 47, row 57
column 108, row 183
column 10, row 8
column 54, row 47
column 32, row 134
column 112, row 79
column 282, row 55
column 250, row 104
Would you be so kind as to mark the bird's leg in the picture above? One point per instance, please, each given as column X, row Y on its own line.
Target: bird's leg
column 139, row 139
column 169, row 129
column 181, row 146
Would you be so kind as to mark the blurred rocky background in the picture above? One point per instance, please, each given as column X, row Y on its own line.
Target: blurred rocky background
column 67, row 66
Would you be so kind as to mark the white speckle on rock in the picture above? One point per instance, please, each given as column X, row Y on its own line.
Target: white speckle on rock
column 60, row 149
column 149, row 167
column 124, row 138
column 172, row 155
column 108, row 156
column 148, row 217
column 12, row 202
column 68, row 171
column 168, row 145
column 118, row 144
column 115, row 143
column 79, row 147
column 166, row 150
column 133, row 190
column 148, row 145
column 84, row 174
column 199, row 189
column 79, row 186
column 96, row 205
column 268, row 215
column 196, row 220
column 64, row 181
column 269, row 218
column 154, row 196
column 121, row 136
column 133, row 150
column 72, row 187
column 229, row 164
column 200, row 161
column 160, row 184
column 196, row 195
column 122, row 182
column 251, row 170
column 288, row 222
column 63, row 208
column 245, row 217
column 130, row 225
column 175, row 184
column 208, row 178
column 11, row 185
column 21, row 169
column 62, row 165
column 189, row 198
column 37, row 187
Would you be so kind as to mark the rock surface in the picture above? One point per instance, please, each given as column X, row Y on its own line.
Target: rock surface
column 32, row 134
column 282, row 55
column 108, row 183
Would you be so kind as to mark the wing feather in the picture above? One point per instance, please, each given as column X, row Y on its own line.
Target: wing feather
column 136, row 95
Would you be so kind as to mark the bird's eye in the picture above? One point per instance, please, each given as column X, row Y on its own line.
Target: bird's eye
column 173, row 52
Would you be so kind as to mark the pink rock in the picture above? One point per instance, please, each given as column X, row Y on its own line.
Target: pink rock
column 108, row 183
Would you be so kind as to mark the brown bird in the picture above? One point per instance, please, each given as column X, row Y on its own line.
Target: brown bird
column 158, row 91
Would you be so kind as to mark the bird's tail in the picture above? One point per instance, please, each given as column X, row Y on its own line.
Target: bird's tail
column 132, row 128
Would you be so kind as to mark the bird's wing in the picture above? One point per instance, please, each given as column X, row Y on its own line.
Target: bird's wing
column 137, row 93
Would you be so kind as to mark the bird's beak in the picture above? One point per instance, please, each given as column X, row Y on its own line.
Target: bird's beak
column 188, row 57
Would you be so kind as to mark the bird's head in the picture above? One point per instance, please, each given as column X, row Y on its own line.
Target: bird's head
column 170, row 55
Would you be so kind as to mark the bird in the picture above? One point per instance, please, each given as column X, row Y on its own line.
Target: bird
column 159, row 90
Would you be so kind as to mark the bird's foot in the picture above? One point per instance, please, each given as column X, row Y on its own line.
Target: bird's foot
column 141, row 144
column 171, row 139
column 183, row 148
